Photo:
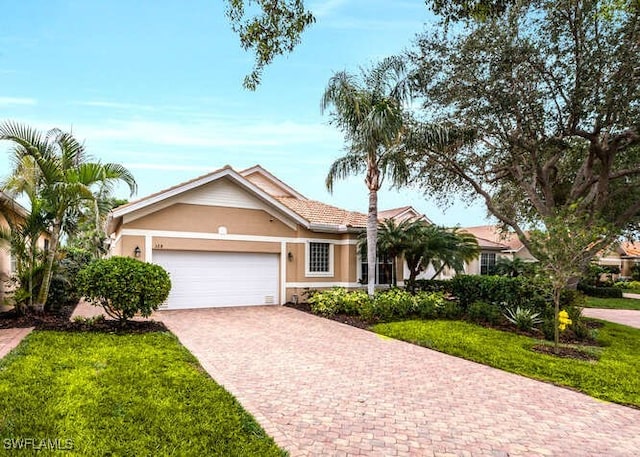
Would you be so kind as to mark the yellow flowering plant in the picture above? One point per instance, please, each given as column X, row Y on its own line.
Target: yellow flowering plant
column 563, row 320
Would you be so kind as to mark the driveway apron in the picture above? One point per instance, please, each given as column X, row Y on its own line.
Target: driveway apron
column 323, row 388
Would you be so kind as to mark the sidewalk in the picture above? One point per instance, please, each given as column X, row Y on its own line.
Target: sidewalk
column 628, row 317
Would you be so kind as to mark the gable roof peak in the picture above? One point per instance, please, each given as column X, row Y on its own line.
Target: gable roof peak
column 269, row 183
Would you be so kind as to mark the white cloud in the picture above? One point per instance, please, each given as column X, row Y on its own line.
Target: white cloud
column 115, row 105
column 325, row 8
column 212, row 133
column 9, row 101
column 168, row 167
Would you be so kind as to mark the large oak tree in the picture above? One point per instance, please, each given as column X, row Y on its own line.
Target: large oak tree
column 547, row 97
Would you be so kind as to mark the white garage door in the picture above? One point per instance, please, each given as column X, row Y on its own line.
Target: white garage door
column 215, row 279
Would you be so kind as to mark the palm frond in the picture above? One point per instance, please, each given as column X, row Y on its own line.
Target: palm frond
column 352, row 163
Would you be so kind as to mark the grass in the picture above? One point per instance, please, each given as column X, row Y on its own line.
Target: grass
column 632, row 291
column 614, row 377
column 612, row 303
column 125, row 395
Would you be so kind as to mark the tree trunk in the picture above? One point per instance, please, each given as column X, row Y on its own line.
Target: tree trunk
column 48, row 266
column 437, row 272
column 557, row 291
column 372, row 240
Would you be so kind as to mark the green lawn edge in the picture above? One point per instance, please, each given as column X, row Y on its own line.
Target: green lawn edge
column 614, row 377
column 612, row 303
column 128, row 395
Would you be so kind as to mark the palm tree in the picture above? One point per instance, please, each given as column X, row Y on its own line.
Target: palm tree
column 63, row 179
column 370, row 111
column 393, row 240
column 425, row 245
column 458, row 249
column 512, row 267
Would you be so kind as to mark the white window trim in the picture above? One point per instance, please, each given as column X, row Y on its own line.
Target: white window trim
column 307, row 258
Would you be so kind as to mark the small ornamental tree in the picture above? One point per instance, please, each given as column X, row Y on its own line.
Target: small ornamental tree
column 124, row 286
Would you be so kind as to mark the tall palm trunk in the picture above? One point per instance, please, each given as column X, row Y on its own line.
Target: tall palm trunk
column 372, row 239
column 48, row 266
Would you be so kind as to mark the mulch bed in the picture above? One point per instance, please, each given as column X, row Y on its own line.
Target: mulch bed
column 354, row 321
column 59, row 320
column 565, row 352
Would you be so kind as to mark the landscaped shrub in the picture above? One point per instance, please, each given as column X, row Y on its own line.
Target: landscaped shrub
column 629, row 285
column 124, row 286
column 393, row 304
column 427, row 304
column 523, row 318
column 572, row 298
column 520, row 291
column 63, row 289
column 480, row 311
column 601, row 292
column 450, row 309
column 433, row 285
column 328, row 302
column 387, row 305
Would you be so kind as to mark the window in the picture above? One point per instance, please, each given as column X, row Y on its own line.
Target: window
column 46, row 245
column 384, row 271
column 319, row 259
column 487, row 262
column 14, row 265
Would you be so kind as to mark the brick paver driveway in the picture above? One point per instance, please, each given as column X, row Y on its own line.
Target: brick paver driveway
column 323, row 388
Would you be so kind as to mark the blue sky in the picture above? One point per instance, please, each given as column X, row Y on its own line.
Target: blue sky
column 157, row 86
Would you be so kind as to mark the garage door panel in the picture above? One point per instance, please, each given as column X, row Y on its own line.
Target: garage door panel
column 216, row 279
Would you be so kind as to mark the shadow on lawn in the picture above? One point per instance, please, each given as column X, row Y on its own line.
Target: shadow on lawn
column 60, row 320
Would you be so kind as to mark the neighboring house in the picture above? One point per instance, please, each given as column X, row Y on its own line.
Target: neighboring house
column 403, row 214
column 233, row 238
column 623, row 255
column 11, row 211
column 493, row 246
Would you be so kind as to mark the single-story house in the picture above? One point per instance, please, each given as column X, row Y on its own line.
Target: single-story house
column 232, row 238
column 624, row 255
column 495, row 244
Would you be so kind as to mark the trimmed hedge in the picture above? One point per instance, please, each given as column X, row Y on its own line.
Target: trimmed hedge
column 388, row 305
column 124, row 286
column 433, row 285
column 512, row 292
column 600, row 292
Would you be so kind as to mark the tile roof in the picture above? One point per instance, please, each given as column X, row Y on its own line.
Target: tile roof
column 313, row 211
column 391, row 213
column 631, row 248
column 495, row 238
column 320, row 213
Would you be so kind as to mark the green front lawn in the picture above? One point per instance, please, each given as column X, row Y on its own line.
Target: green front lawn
column 614, row 377
column 126, row 395
column 612, row 303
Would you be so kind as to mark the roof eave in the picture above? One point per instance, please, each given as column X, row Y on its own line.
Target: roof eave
column 333, row 228
column 117, row 214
